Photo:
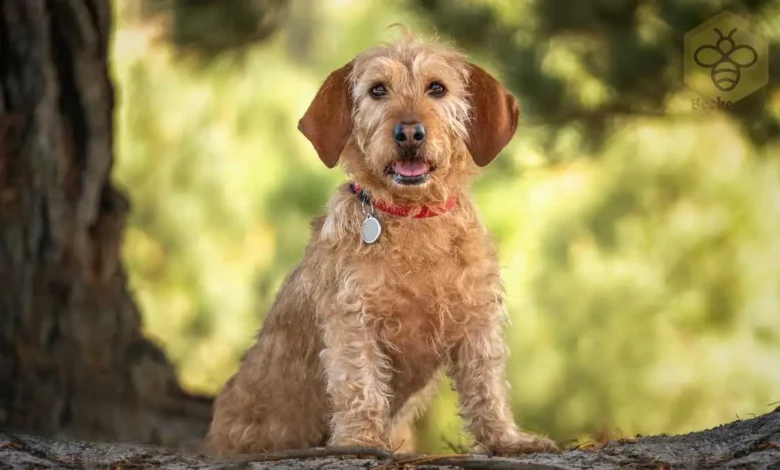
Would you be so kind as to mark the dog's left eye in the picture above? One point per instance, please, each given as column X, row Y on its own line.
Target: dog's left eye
column 379, row 90
column 437, row 89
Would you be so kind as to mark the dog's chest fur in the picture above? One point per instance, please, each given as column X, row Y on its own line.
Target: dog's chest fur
column 420, row 288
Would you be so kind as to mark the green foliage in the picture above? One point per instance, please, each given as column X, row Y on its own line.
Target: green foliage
column 208, row 28
column 577, row 65
column 640, row 239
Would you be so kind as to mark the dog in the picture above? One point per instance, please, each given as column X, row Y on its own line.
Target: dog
column 400, row 280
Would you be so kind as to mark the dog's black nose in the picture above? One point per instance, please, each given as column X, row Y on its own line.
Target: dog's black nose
column 409, row 134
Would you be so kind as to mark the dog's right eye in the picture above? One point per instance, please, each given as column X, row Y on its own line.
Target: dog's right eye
column 378, row 91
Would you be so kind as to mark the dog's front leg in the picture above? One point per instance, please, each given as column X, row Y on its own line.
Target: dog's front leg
column 358, row 375
column 477, row 371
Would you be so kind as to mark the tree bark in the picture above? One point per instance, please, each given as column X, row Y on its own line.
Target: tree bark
column 752, row 443
column 73, row 359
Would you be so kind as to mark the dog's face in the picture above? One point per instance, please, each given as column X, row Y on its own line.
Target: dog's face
column 410, row 109
column 409, row 119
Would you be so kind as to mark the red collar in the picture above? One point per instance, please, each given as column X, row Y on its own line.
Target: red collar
column 403, row 211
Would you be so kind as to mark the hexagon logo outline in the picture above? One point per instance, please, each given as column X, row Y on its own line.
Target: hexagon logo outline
column 725, row 59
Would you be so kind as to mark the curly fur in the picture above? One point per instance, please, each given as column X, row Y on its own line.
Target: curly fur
column 351, row 348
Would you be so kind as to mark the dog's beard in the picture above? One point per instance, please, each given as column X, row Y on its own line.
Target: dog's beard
column 403, row 173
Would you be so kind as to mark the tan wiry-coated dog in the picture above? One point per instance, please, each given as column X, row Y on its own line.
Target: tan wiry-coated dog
column 352, row 346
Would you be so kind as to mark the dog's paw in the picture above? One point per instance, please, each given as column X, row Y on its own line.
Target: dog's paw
column 345, row 441
column 524, row 444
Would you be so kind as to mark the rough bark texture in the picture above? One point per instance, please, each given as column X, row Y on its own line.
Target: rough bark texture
column 753, row 443
column 73, row 360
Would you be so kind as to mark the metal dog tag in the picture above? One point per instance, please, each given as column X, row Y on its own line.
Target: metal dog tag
column 371, row 229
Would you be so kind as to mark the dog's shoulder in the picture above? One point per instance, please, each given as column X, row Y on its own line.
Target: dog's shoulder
column 339, row 218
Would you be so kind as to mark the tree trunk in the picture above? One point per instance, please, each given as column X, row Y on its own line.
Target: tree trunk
column 73, row 360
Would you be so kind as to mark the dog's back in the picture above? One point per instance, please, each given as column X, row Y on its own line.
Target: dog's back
column 276, row 399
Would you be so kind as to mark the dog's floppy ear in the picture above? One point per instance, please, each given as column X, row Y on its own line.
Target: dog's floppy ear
column 328, row 121
column 494, row 116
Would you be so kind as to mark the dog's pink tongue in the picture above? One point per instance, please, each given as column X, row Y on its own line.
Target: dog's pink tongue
column 411, row 168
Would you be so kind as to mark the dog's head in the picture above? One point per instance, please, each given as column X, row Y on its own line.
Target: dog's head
column 410, row 120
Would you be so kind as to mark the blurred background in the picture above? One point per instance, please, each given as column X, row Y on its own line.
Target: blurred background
column 639, row 237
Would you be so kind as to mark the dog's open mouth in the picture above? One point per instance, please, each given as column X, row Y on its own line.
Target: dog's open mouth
column 410, row 172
